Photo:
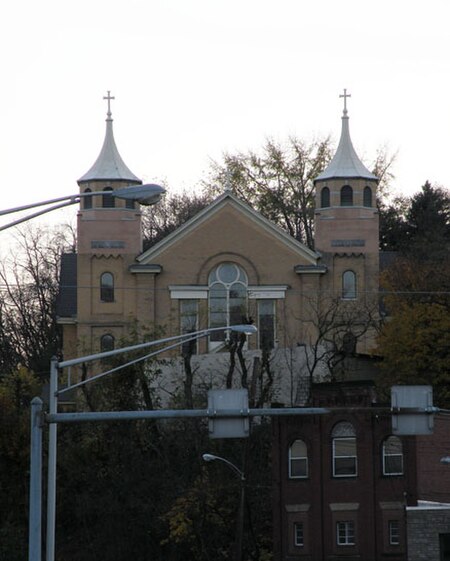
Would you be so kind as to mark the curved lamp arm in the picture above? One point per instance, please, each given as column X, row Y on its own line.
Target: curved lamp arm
column 212, row 458
column 148, row 194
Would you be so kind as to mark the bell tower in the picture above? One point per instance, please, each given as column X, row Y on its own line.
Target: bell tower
column 346, row 219
column 107, row 224
column 109, row 239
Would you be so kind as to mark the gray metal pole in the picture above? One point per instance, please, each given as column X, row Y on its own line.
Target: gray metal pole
column 52, row 445
column 35, row 506
column 240, row 520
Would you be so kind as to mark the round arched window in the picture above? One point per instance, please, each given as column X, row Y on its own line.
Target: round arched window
column 346, row 196
column 227, row 297
column 325, row 197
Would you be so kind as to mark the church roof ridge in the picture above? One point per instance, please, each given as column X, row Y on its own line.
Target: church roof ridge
column 345, row 163
column 109, row 165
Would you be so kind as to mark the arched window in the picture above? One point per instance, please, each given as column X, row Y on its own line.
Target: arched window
column 349, row 343
column 107, row 287
column 343, row 439
column 227, row 297
column 108, row 200
column 87, row 201
column 346, row 196
column 367, row 196
column 298, row 460
column 325, row 197
column 392, row 456
column 107, row 343
column 349, row 285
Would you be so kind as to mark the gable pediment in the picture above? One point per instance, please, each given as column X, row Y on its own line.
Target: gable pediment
column 228, row 225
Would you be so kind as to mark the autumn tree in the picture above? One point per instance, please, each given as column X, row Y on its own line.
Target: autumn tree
column 414, row 338
column 277, row 181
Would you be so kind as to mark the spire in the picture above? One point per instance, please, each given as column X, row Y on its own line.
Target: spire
column 109, row 165
column 345, row 163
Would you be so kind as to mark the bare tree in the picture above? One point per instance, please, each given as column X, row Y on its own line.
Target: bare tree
column 29, row 278
column 333, row 330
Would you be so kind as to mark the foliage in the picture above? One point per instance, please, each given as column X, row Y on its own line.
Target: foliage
column 17, row 389
column 278, row 182
column 28, row 330
column 414, row 338
column 416, row 348
column 418, row 226
column 158, row 221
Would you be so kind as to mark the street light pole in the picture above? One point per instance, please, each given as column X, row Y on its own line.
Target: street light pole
column 240, row 516
column 56, row 366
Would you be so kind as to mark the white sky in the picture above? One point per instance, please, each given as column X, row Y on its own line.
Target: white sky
column 195, row 78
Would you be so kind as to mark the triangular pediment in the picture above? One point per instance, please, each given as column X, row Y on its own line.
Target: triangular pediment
column 258, row 224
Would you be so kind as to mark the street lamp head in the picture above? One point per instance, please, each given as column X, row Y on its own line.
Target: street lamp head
column 209, row 457
column 148, row 194
column 445, row 460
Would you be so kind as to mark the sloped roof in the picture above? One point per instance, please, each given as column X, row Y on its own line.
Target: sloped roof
column 228, row 198
column 345, row 163
column 109, row 165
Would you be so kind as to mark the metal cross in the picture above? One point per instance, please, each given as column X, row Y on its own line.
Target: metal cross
column 109, row 98
column 345, row 95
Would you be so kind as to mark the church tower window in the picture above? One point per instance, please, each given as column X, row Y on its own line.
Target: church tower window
column 107, row 343
column 325, row 197
column 227, row 297
column 349, row 285
column 367, row 196
column 346, row 196
column 87, row 201
column 107, row 287
column 108, row 199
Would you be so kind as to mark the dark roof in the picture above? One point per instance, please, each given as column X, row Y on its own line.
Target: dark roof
column 66, row 303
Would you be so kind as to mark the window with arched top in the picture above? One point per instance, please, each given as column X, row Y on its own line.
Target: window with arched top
column 348, row 285
column 367, row 196
column 87, row 201
column 346, row 196
column 345, row 461
column 325, row 197
column 298, row 460
column 107, row 287
column 227, row 297
column 107, row 343
column 108, row 200
column 130, row 204
column 392, row 456
column 349, row 343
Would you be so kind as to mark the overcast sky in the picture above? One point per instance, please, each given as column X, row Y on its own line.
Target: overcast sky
column 194, row 78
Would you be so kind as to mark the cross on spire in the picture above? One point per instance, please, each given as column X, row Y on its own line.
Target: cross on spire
column 345, row 95
column 109, row 98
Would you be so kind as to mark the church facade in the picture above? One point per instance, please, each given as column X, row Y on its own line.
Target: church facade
column 227, row 265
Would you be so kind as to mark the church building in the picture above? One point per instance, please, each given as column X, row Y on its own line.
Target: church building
column 225, row 265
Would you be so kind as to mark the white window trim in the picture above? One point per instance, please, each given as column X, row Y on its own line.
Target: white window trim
column 346, row 526
column 267, row 292
column 299, row 526
column 394, row 533
column 355, row 456
column 186, row 292
column 385, row 455
column 298, row 458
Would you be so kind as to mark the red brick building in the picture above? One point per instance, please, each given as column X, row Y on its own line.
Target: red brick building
column 342, row 481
